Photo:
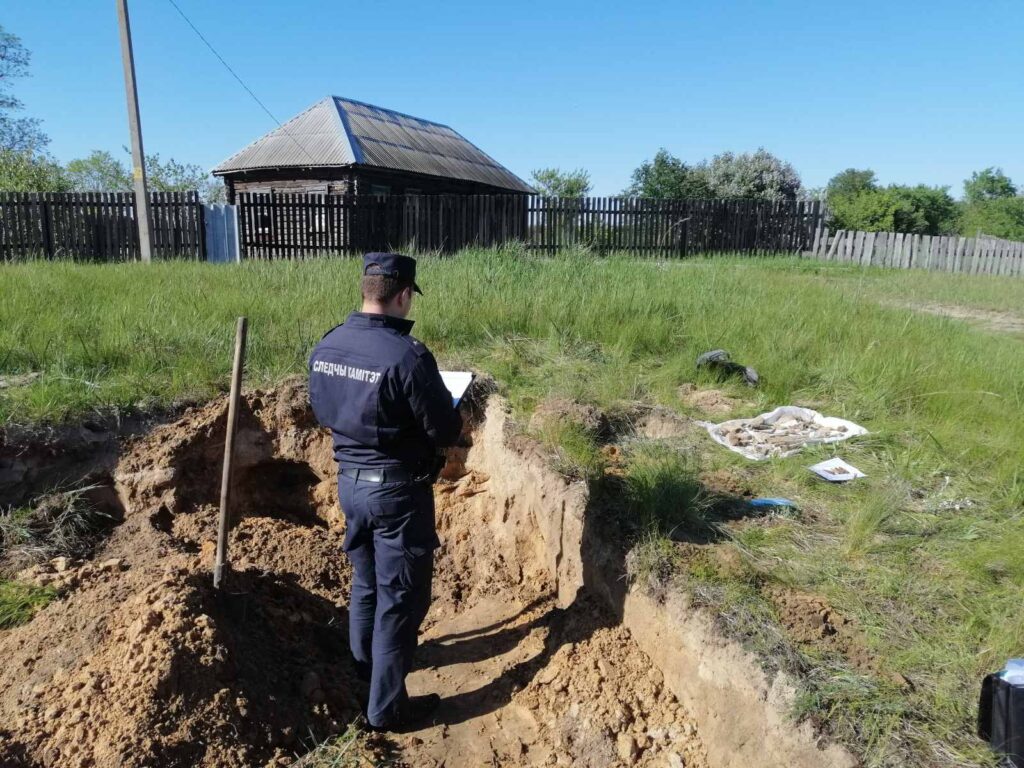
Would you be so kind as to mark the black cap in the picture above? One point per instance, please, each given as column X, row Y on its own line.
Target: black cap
column 392, row 265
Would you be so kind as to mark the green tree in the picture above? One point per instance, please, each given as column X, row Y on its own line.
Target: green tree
column 99, row 171
column 23, row 170
column 172, row 176
column 851, row 182
column 919, row 210
column 17, row 133
column 756, row 175
column 989, row 184
column 925, row 210
column 1002, row 217
column 872, row 210
column 667, row 177
column 554, row 182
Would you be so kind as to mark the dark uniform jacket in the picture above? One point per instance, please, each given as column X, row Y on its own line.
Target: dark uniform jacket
column 379, row 391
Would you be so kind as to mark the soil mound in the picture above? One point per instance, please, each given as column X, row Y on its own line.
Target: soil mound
column 141, row 663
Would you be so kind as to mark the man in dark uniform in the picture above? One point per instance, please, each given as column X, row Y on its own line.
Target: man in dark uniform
column 379, row 391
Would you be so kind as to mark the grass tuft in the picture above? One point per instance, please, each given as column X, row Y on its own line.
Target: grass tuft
column 60, row 524
column 349, row 749
column 20, row 602
column 664, row 497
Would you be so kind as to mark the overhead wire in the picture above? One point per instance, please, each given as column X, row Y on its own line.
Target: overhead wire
column 239, row 79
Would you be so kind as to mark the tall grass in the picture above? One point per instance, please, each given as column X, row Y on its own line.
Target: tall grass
column 934, row 583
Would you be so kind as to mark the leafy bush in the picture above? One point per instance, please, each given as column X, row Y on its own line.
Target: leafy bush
column 924, row 210
column 554, row 182
column 1001, row 217
column 857, row 202
column 100, row 171
column 758, row 175
column 989, row 184
column 851, row 182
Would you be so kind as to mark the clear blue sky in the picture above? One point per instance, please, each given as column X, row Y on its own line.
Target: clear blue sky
column 918, row 91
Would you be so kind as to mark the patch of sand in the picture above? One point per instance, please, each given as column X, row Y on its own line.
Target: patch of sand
column 1002, row 322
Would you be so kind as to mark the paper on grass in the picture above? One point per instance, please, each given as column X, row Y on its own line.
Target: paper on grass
column 836, row 470
column 457, row 383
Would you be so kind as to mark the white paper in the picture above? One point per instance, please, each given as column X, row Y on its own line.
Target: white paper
column 849, row 430
column 836, row 470
column 457, row 383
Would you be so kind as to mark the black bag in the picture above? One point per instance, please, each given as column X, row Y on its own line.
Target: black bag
column 1001, row 718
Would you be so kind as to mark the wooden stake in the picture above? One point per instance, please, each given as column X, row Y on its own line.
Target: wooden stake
column 221, row 563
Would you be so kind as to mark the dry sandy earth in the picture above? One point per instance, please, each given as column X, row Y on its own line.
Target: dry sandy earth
column 141, row 663
column 1002, row 322
column 525, row 683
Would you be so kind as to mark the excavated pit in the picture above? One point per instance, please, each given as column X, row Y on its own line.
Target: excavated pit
column 540, row 654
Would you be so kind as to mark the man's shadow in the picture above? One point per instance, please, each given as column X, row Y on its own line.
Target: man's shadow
column 598, row 604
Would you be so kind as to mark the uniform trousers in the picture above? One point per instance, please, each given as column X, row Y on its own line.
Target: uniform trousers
column 390, row 540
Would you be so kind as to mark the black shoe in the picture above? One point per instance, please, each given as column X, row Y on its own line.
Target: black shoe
column 415, row 714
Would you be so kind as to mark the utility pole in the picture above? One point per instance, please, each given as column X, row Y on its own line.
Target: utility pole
column 135, row 127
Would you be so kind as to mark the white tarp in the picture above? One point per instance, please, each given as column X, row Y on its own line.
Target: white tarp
column 782, row 432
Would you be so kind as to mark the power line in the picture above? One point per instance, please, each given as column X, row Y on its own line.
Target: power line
column 239, row 79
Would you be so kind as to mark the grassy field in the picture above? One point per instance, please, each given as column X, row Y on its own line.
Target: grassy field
column 922, row 555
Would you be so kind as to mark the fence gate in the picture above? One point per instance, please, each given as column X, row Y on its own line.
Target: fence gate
column 222, row 233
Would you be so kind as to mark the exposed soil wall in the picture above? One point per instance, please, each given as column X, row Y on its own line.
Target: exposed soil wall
column 741, row 711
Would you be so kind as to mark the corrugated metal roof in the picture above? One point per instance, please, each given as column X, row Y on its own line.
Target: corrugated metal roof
column 314, row 137
column 338, row 132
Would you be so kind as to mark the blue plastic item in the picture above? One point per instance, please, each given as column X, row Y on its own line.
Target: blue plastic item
column 764, row 501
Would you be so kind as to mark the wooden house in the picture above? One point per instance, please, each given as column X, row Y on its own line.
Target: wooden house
column 344, row 147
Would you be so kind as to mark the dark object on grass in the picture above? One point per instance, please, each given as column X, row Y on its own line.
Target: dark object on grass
column 718, row 360
column 1001, row 718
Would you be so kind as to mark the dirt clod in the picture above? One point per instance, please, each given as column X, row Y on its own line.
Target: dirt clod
column 810, row 620
column 562, row 410
column 713, row 402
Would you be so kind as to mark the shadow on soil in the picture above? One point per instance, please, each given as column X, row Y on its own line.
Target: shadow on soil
column 598, row 604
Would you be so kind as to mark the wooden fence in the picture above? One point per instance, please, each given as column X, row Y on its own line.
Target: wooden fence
column 298, row 225
column 97, row 226
column 948, row 253
column 301, row 225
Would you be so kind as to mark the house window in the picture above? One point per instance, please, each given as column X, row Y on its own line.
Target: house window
column 413, row 191
column 380, row 190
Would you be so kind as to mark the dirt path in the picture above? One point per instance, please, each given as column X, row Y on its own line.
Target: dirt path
column 471, row 659
column 1001, row 322
column 526, row 684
